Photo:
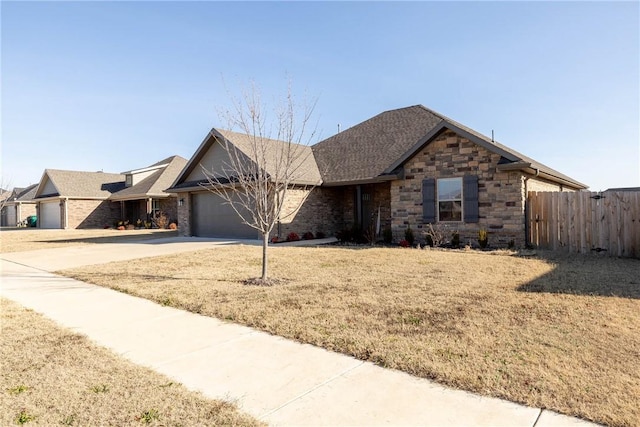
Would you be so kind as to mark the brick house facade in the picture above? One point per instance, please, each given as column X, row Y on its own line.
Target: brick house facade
column 397, row 166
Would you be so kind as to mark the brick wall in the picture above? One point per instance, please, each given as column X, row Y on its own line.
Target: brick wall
column 170, row 208
column 91, row 213
column 183, row 213
column 321, row 211
column 501, row 194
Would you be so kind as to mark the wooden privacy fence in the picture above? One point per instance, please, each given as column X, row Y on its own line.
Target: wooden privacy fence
column 585, row 222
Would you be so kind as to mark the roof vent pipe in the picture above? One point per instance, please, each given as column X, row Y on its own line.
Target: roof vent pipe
column 492, row 135
column 338, row 127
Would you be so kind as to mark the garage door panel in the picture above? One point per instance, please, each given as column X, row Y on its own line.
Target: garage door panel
column 214, row 217
column 49, row 215
column 11, row 216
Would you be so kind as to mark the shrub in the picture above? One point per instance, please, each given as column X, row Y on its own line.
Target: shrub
column 139, row 223
column 455, row 240
column 162, row 221
column 404, row 243
column 130, row 227
column 121, row 227
column 429, row 240
column 293, row 237
column 344, row 235
column 173, row 226
column 408, row 236
column 320, row 235
column 483, row 238
column 274, row 239
column 307, row 236
column 387, row 235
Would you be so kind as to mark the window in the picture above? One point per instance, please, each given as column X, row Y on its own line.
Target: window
column 450, row 199
column 155, row 208
column 456, row 199
column 128, row 181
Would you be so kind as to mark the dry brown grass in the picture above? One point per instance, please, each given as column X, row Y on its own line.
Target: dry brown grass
column 28, row 239
column 558, row 333
column 51, row 376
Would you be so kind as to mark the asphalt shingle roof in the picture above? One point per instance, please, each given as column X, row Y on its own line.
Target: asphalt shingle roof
column 374, row 147
column 366, row 150
column 304, row 167
column 155, row 184
column 78, row 184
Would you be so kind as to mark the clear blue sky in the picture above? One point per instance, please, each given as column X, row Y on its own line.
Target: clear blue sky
column 115, row 86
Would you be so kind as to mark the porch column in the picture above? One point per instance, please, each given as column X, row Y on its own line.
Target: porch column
column 18, row 212
column 65, row 217
column 149, row 207
column 121, row 210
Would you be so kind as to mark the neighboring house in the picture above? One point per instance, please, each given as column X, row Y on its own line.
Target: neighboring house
column 411, row 166
column 19, row 205
column 144, row 197
column 74, row 199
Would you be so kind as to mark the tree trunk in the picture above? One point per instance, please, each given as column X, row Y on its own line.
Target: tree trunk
column 265, row 245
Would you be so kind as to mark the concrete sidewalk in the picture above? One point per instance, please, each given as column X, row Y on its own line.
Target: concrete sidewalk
column 279, row 381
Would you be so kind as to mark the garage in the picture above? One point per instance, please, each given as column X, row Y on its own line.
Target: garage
column 213, row 217
column 9, row 216
column 49, row 214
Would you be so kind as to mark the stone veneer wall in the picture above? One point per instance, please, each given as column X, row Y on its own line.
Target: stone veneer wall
column 90, row 213
column 500, row 194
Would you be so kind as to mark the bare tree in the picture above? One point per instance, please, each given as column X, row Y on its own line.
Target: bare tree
column 5, row 192
column 267, row 158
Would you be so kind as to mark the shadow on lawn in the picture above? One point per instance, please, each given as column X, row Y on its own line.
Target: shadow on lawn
column 118, row 237
column 588, row 275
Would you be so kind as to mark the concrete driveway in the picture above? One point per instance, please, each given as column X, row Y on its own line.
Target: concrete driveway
column 276, row 380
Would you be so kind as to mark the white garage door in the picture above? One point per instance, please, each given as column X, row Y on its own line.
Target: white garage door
column 212, row 217
column 49, row 215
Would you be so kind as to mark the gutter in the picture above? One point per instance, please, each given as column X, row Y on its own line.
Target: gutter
column 531, row 170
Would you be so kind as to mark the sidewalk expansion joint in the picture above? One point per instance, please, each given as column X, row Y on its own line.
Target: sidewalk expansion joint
column 311, row 390
column 537, row 418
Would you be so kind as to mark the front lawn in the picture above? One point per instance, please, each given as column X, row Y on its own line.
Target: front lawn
column 52, row 376
column 552, row 332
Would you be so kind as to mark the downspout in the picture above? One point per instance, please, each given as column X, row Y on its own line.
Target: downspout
column 527, row 224
column 358, row 206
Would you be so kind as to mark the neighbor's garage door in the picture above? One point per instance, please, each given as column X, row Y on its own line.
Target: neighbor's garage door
column 11, row 216
column 212, row 217
column 49, row 215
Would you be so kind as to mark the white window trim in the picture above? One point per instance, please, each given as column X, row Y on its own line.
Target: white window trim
column 459, row 178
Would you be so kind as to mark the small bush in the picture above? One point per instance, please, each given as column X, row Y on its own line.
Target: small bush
column 307, row 236
column 173, row 226
column 387, row 235
column 483, row 238
column 455, row 240
column 121, row 227
column 275, row 239
column 293, row 237
column 320, row 235
column 162, row 221
column 429, row 240
column 408, row 236
column 344, row 235
column 404, row 243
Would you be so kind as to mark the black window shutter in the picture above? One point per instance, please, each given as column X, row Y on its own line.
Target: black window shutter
column 470, row 191
column 429, row 200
